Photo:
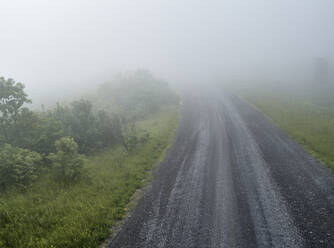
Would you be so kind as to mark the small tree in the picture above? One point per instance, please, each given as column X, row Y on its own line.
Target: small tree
column 67, row 161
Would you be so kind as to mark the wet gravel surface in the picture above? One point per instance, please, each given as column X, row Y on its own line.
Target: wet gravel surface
column 233, row 179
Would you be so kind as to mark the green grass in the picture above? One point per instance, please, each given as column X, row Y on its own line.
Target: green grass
column 81, row 216
column 305, row 113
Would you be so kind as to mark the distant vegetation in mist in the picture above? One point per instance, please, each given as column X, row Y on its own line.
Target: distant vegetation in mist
column 67, row 173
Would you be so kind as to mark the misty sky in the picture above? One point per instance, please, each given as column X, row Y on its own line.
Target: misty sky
column 54, row 44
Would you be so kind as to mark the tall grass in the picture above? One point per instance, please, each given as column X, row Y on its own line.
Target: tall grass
column 49, row 215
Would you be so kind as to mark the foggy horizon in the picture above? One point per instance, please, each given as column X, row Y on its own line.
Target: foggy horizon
column 73, row 45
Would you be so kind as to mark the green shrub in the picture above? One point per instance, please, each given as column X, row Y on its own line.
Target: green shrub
column 18, row 167
column 67, row 161
column 90, row 130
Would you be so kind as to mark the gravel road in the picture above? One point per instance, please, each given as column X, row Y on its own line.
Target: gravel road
column 233, row 179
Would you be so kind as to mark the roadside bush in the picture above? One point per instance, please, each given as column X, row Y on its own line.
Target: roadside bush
column 131, row 140
column 91, row 131
column 18, row 167
column 67, row 161
column 34, row 131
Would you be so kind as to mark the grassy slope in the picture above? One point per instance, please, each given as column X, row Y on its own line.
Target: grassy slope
column 81, row 216
column 305, row 113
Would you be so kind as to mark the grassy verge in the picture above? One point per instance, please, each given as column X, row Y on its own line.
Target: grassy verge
column 306, row 113
column 81, row 216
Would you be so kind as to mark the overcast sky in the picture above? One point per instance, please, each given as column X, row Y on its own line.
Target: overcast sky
column 55, row 44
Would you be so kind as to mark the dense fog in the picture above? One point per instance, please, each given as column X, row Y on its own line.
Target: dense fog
column 60, row 47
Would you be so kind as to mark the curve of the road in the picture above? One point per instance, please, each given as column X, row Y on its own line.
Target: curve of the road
column 233, row 179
